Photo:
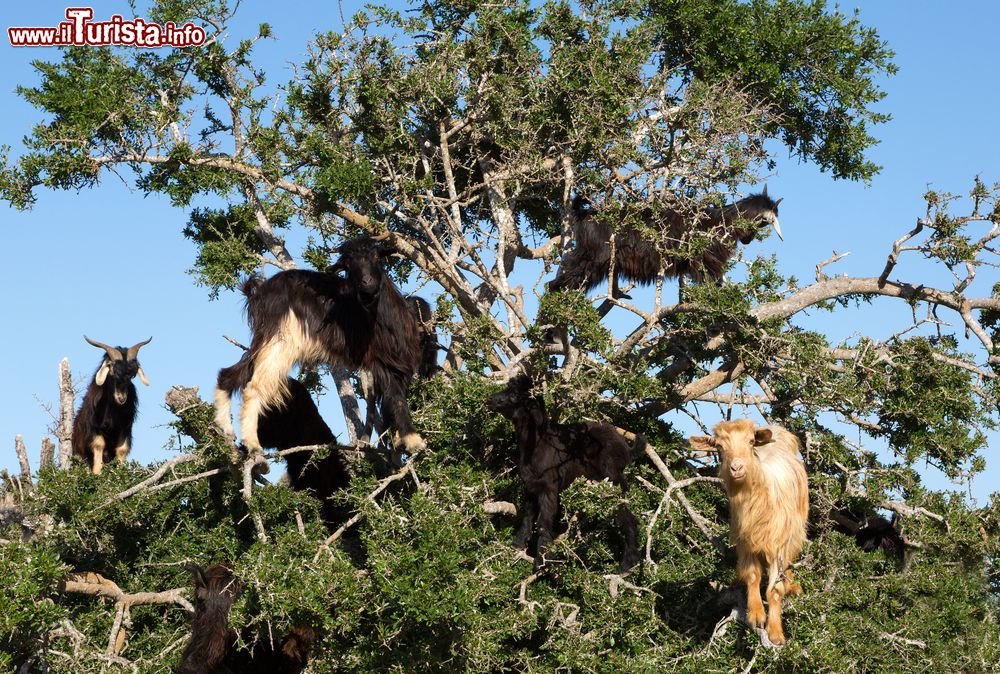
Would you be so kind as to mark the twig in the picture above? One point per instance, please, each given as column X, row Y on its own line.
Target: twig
column 95, row 585
column 65, row 414
column 698, row 519
column 382, row 486
column 836, row 257
column 22, row 457
column 48, row 453
column 233, row 341
column 901, row 640
column 155, row 477
column 905, row 510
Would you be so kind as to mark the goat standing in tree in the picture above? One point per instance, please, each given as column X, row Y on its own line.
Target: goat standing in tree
column 553, row 455
column 358, row 320
column 638, row 259
column 102, row 429
column 768, row 505
column 213, row 641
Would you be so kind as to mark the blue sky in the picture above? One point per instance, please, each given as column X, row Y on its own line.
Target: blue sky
column 111, row 263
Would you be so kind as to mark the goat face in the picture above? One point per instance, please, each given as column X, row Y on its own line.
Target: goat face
column 360, row 262
column 737, row 443
column 121, row 365
column 215, row 587
column 760, row 208
column 517, row 393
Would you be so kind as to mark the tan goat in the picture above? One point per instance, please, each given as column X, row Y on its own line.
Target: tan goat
column 768, row 505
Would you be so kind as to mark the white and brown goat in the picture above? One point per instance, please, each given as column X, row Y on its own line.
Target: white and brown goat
column 768, row 505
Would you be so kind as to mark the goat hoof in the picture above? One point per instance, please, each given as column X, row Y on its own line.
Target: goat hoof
column 778, row 638
column 756, row 617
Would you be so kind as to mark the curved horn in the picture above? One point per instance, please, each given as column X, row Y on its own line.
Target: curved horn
column 133, row 350
column 113, row 353
column 765, row 190
column 780, row 199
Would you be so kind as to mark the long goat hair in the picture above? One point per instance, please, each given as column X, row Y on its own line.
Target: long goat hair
column 297, row 423
column 638, row 259
column 553, row 455
column 768, row 505
column 213, row 641
column 102, row 428
column 350, row 315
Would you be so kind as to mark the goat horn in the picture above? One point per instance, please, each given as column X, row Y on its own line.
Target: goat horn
column 133, row 350
column 765, row 190
column 113, row 353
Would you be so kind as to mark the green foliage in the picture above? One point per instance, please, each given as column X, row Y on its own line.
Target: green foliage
column 814, row 66
column 439, row 587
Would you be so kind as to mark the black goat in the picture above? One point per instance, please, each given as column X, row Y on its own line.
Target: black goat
column 553, row 455
column 358, row 320
column 637, row 259
column 297, row 423
column 213, row 641
column 102, row 429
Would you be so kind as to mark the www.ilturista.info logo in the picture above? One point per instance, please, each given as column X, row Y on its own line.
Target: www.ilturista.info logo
column 80, row 30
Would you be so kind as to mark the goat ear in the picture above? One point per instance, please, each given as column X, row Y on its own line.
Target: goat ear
column 762, row 437
column 703, row 443
column 197, row 572
column 102, row 373
column 142, row 376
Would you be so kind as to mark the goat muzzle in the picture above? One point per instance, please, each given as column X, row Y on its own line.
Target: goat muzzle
column 738, row 469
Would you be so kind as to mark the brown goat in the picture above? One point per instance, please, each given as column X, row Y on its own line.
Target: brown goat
column 639, row 260
column 553, row 455
column 768, row 505
column 213, row 642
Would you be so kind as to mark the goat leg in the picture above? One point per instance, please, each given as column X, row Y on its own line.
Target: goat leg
column 548, row 505
column 396, row 415
column 629, row 525
column 97, row 452
column 748, row 570
column 527, row 522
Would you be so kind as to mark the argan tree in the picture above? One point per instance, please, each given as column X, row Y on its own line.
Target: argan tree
column 470, row 132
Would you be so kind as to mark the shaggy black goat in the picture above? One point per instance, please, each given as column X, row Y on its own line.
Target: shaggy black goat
column 637, row 259
column 102, row 429
column 553, row 455
column 358, row 320
column 213, row 642
column 297, row 423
